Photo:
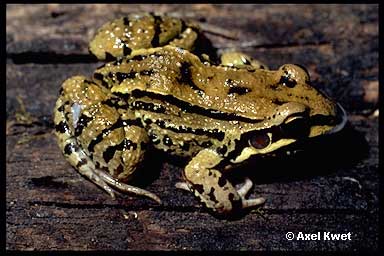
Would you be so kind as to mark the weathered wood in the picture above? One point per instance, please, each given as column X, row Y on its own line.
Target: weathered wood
column 332, row 186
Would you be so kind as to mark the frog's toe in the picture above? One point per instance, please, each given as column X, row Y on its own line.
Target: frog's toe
column 94, row 175
column 127, row 188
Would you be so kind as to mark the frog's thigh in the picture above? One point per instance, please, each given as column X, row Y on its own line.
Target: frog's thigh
column 209, row 185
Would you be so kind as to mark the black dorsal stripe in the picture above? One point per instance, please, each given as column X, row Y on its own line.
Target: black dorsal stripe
column 238, row 90
column 188, row 107
column 212, row 133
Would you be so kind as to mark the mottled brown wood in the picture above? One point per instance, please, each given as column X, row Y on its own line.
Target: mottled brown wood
column 332, row 186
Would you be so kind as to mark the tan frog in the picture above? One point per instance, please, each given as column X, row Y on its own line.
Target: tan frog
column 166, row 97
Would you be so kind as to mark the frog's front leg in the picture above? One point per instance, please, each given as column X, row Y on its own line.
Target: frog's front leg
column 98, row 141
column 213, row 189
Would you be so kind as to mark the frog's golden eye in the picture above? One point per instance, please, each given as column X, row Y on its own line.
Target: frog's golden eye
column 295, row 126
column 260, row 140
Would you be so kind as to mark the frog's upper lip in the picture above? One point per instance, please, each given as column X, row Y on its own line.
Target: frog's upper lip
column 342, row 119
column 336, row 122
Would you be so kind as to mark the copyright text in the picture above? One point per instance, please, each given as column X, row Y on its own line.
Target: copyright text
column 323, row 236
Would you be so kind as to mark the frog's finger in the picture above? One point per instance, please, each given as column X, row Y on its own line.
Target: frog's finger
column 245, row 188
column 252, row 202
column 182, row 185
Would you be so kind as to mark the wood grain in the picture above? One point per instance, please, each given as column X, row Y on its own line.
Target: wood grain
column 332, row 186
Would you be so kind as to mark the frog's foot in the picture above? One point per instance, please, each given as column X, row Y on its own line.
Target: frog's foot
column 77, row 157
column 103, row 180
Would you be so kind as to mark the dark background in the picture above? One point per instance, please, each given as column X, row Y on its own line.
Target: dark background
column 332, row 185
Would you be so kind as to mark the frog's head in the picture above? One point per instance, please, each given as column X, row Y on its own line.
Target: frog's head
column 299, row 111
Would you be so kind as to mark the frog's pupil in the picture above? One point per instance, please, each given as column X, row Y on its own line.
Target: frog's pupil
column 260, row 140
column 287, row 81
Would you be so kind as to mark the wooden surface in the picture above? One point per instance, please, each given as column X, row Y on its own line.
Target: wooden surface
column 333, row 186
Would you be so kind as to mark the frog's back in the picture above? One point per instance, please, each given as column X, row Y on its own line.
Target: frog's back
column 177, row 75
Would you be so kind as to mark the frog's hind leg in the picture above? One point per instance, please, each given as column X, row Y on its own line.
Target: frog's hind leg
column 72, row 150
column 82, row 123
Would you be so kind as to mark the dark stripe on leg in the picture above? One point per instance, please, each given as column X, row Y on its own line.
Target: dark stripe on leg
column 111, row 150
column 81, row 123
column 118, row 124
column 62, row 127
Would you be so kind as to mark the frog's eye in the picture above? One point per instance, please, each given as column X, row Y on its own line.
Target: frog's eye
column 260, row 140
column 291, row 74
column 295, row 126
column 287, row 80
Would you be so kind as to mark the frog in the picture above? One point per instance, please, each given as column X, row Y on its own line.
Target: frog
column 157, row 93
